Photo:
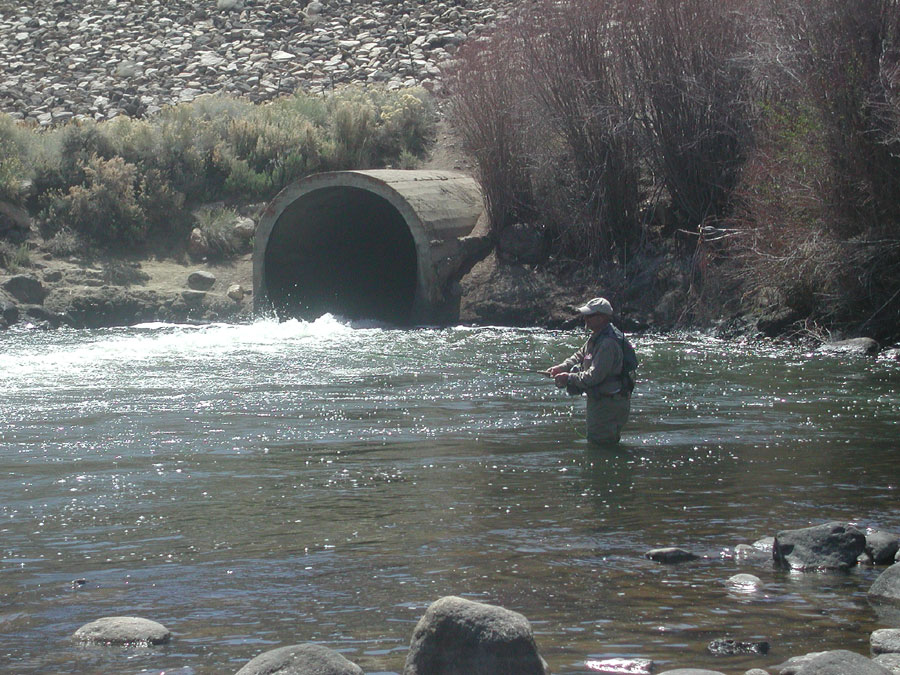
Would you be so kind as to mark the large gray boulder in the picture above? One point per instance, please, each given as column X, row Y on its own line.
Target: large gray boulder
column 26, row 289
column 887, row 586
column 862, row 346
column 123, row 630
column 303, row 659
column 461, row 637
column 837, row 662
column 889, row 661
column 885, row 641
column 831, row 546
column 881, row 547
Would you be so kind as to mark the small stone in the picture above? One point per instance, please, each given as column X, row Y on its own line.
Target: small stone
column 236, row 292
column 620, row 666
column 201, row 280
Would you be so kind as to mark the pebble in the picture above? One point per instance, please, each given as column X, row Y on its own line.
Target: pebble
column 96, row 59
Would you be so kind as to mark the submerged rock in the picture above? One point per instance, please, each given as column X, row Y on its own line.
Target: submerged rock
column 729, row 647
column 303, row 659
column 832, row 546
column 670, row 554
column 123, row 630
column 462, row 637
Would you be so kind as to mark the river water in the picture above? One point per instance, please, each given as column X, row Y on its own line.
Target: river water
column 254, row 486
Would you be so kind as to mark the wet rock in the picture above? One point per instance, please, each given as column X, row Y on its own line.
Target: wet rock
column 461, row 637
column 193, row 297
column 861, row 346
column 729, row 647
column 123, row 630
column 886, row 587
column 620, row 666
column 303, row 659
column 837, row 662
column 885, row 641
column 889, row 661
column 26, row 289
column 760, row 551
column 670, row 555
column 881, row 547
column 756, row 671
column 832, row 546
column 201, row 280
column 744, row 582
column 691, row 671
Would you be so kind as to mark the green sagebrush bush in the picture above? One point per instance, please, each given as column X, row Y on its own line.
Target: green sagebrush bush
column 126, row 182
column 15, row 148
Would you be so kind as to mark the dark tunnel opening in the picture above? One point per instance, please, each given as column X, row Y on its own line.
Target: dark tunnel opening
column 345, row 251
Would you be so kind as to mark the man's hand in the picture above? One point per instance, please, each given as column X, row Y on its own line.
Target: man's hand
column 561, row 379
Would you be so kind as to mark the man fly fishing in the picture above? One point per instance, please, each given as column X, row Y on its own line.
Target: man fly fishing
column 602, row 370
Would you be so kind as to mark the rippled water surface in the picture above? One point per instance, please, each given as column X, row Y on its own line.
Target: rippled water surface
column 262, row 485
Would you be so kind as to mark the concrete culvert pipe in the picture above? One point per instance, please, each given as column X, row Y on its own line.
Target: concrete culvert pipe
column 383, row 244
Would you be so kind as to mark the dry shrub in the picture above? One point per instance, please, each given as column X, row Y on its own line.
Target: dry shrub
column 818, row 206
column 489, row 105
column 691, row 74
column 573, row 107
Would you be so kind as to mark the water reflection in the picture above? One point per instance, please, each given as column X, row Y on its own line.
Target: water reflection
column 253, row 486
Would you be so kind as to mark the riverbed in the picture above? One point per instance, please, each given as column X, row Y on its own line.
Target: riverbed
column 253, row 486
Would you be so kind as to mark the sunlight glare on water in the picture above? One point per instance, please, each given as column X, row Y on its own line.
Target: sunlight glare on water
column 253, row 486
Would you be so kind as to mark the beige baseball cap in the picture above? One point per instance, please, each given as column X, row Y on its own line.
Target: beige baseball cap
column 596, row 306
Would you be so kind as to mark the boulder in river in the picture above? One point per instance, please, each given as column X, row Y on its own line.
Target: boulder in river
column 461, row 637
column 123, row 630
column 885, row 641
column 832, row 546
column 887, row 586
column 881, row 547
column 863, row 346
column 889, row 661
column 669, row 555
column 836, row 662
column 302, row 659
column 730, row 647
column 691, row 671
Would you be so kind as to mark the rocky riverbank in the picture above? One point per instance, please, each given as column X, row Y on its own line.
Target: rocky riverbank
column 103, row 58
column 456, row 635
